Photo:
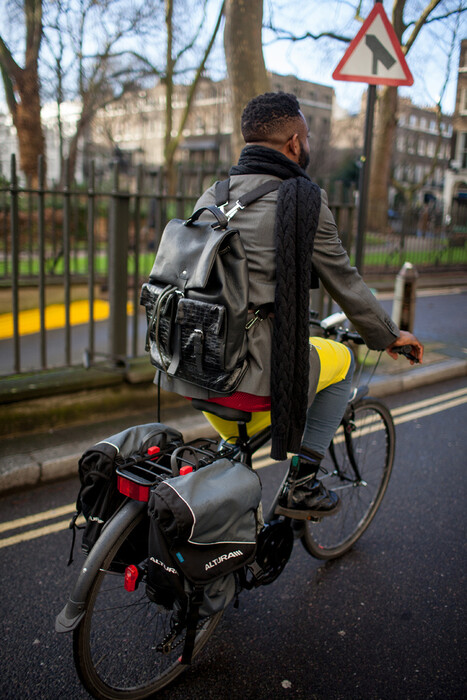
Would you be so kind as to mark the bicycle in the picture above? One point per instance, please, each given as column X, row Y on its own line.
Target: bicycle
column 127, row 647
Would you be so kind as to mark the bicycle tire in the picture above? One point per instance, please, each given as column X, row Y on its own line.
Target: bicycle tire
column 371, row 435
column 114, row 645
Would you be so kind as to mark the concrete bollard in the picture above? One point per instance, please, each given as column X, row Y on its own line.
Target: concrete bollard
column 403, row 308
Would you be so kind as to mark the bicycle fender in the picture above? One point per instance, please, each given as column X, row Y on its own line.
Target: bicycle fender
column 75, row 609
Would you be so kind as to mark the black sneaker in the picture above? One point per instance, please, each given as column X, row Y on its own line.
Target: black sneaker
column 306, row 498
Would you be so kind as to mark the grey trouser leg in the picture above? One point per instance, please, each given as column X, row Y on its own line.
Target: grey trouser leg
column 325, row 413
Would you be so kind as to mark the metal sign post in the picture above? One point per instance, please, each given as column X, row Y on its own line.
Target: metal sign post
column 374, row 57
column 364, row 179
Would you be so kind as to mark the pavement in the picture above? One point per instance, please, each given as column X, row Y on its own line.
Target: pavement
column 32, row 456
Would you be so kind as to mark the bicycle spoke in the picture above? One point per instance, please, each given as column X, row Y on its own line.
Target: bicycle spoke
column 120, row 645
column 371, row 442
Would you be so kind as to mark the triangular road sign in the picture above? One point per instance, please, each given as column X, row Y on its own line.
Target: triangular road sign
column 375, row 55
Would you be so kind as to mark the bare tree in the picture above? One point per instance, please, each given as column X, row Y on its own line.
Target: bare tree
column 407, row 32
column 408, row 191
column 244, row 57
column 173, row 59
column 22, row 88
column 91, row 56
column 386, row 123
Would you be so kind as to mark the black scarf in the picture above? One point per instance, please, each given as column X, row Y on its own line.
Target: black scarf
column 297, row 213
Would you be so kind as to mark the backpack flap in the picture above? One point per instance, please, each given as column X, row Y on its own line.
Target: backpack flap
column 187, row 252
column 208, row 519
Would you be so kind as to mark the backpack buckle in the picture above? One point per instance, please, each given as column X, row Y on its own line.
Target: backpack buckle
column 234, row 210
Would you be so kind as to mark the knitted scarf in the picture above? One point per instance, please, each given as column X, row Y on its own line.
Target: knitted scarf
column 297, row 213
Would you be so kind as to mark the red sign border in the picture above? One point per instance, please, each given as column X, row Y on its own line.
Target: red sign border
column 378, row 9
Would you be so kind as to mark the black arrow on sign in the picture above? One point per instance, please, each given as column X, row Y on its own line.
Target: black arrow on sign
column 380, row 53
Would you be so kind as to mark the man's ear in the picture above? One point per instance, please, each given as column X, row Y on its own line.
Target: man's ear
column 293, row 148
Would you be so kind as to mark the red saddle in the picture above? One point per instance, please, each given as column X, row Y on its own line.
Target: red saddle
column 244, row 402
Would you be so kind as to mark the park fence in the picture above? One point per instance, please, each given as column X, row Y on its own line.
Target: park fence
column 73, row 259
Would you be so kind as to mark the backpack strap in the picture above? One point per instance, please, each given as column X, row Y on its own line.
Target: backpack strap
column 222, row 192
column 222, row 195
column 195, row 600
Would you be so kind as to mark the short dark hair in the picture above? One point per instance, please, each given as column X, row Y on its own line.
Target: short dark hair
column 266, row 115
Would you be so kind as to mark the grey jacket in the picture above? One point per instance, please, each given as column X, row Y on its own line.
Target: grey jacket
column 331, row 262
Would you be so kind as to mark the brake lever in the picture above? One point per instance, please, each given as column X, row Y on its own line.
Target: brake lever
column 406, row 350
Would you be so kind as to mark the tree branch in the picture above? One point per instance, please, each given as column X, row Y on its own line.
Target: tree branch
column 419, row 24
column 438, row 18
column 173, row 143
column 7, row 61
column 284, row 35
column 9, row 92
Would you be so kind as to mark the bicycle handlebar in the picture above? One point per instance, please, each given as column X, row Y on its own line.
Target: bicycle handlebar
column 331, row 325
column 407, row 351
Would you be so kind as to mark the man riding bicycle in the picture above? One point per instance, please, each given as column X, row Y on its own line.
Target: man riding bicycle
column 291, row 243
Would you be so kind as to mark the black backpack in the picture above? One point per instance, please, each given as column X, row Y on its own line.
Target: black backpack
column 98, row 498
column 196, row 298
column 203, row 527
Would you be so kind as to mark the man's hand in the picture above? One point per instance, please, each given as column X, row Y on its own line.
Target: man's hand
column 406, row 338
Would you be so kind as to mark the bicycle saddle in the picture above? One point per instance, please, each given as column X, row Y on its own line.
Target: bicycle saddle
column 225, row 412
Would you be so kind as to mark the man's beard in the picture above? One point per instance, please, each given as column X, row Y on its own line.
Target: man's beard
column 303, row 158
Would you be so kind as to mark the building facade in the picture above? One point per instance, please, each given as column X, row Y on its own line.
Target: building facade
column 421, row 151
column 455, row 189
column 136, row 124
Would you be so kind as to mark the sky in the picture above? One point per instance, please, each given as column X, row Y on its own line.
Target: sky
column 316, row 60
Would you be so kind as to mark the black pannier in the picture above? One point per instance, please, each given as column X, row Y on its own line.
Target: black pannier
column 203, row 527
column 99, row 498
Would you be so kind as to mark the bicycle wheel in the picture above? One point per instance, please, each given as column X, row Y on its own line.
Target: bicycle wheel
column 118, row 646
column 358, row 468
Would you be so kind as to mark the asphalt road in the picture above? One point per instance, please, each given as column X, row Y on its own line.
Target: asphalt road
column 387, row 621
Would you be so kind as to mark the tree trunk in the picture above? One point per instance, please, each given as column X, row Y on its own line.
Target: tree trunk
column 244, row 58
column 22, row 92
column 27, row 121
column 383, row 143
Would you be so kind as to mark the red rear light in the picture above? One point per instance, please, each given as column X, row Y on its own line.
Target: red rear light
column 137, row 492
column 131, row 578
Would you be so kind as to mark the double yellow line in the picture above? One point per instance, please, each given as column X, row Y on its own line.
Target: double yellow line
column 403, row 414
column 37, row 518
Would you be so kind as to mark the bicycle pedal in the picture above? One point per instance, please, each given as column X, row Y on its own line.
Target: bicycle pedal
column 305, row 514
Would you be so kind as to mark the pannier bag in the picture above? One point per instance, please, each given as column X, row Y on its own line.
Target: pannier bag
column 196, row 298
column 99, row 498
column 203, row 527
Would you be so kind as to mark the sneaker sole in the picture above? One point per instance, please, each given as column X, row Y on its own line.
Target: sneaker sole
column 306, row 514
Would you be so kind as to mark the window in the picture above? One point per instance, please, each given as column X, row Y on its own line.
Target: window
column 421, row 147
column 413, row 120
column 464, row 150
column 463, row 102
column 422, row 123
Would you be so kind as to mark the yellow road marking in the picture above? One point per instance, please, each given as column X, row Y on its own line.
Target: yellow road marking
column 33, row 534
column 428, row 402
column 38, row 517
column 29, row 321
column 402, row 414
